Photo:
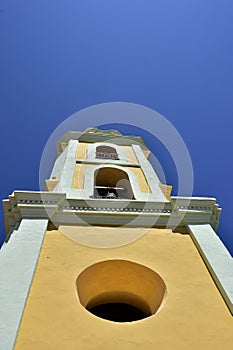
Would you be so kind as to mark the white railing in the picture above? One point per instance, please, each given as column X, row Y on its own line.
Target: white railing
column 106, row 155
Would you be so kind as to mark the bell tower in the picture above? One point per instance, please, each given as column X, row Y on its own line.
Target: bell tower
column 107, row 258
column 113, row 167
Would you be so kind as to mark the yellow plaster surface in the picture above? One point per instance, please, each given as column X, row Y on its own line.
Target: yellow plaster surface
column 79, row 173
column 131, row 157
column 141, row 179
column 194, row 315
column 50, row 184
column 166, row 190
column 63, row 146
column 82, row 150
column 80, row 169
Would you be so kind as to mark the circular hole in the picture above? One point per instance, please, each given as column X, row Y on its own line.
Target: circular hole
column 120, row 290
column 118, row 312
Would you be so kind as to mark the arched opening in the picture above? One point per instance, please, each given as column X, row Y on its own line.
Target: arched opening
column 112, row 183
column 120, row 290
column 106, row 152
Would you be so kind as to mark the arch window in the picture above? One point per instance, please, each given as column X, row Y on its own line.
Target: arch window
column 106, row 152
column 112, row 183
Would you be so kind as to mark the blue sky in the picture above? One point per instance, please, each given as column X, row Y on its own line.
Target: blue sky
column 176, row 57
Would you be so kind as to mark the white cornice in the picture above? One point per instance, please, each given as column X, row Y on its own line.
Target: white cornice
column 180, row 211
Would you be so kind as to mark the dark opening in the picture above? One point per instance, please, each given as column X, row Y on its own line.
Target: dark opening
column 109, row 192
column 106, row 152
column 112, row 183
column 118, row 312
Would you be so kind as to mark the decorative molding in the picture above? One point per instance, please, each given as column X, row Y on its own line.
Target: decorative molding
column 57, row 207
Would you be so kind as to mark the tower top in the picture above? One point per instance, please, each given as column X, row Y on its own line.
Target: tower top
column 92, row 135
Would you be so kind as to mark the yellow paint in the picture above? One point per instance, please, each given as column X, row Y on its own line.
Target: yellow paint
column 166, row 189
column 194, row 315
column 147, row 153
column 79, row 174
column 82, row 150
column 130, row 155
column 50, row 184
column 63, row 146
column 80, row 169
column 140, row 178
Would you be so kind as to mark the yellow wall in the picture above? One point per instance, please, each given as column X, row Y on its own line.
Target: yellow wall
column 141, row 179
column 82, row 150
column 131, row 157
column 194, row 315
column 79, row 174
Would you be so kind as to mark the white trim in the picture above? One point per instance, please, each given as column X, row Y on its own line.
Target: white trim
column 150, row 175
column 217, row 259
column 31, row 204
column 65, row 166
column 59, row 164
column 18, row 260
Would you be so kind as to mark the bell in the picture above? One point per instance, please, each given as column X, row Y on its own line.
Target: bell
column 111, row 195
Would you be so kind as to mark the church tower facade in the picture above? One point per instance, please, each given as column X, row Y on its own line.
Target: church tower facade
column 106, row 258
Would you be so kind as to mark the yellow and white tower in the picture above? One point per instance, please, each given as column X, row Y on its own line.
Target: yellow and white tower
column 107, row 259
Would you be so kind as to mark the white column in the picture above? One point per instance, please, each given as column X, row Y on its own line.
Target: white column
column 64, row 167
column 18, row 259
column 217, row 259
column 150, row 175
